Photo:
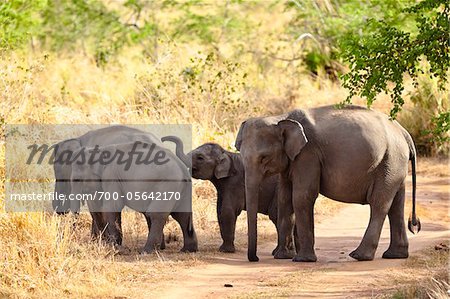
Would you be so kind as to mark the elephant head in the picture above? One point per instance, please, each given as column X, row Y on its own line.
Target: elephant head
column 267, row 147
column 62, row 166
column 207, row 162
column 210, row 161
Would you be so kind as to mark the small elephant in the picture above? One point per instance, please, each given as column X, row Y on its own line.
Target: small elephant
column 101, row 137
column 352, row 155
column 137, row 187
column 225, row 170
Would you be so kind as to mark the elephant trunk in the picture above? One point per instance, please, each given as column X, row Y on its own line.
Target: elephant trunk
column 62, row 187
column 59, row 206
column 252, row 185
column 179, row 149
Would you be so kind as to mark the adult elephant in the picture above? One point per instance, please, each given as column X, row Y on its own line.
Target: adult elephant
column 225, row 171
column 101, row 137
column 352, row 155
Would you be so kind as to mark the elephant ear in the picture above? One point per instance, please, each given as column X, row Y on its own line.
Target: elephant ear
column 224, row 167
column 294, row 138
column 239, row 137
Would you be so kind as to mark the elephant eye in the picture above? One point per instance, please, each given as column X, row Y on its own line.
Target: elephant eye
column 200, row 158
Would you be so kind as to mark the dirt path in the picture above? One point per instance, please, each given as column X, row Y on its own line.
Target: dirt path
column 334, row 275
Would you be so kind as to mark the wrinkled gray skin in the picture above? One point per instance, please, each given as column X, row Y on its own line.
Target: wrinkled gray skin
column 100, row 137
column 114, row 179
column 351, row 155
column 225, row 170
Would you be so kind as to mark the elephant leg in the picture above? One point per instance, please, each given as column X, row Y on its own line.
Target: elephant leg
column 227, row 225
column 149, row 225
column 118, row 216
column 154, row 239
column 304, row 223
column 398, row 248
column 98, row 228
column 187, row 227
column 305, row 190
column 113, row 227
column 98, row 225
column 379, row 208
column 285, row 222
column 75, row 206
column 273, row 214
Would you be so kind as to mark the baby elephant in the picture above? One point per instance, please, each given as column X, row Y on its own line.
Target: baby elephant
column 226, row 171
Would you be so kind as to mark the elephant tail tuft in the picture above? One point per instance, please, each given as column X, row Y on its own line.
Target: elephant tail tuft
column 414, row 225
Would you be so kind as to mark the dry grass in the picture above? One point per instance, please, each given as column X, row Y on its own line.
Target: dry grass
column 426, row 275
column 434, row 167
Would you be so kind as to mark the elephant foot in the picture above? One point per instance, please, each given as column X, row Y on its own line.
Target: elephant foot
column 252, row 258
column 189, row 249
column 162, row 246
column 113, row 241
column 275, row 250
column 150, row 249
column 305, row 258
column 283, row 253
column 228, row 248
column 396, row 254
column 122, row 250
column 360, row 256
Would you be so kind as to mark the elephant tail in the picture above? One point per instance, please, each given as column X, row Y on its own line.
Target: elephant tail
column 413, row 221
column 179, row 149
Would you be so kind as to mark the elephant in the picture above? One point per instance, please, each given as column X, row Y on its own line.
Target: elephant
column 126, row 184
column 101, row 137
column 349, row 154
column 225, row 171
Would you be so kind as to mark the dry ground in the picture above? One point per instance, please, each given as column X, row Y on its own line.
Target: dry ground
column 335, row 274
